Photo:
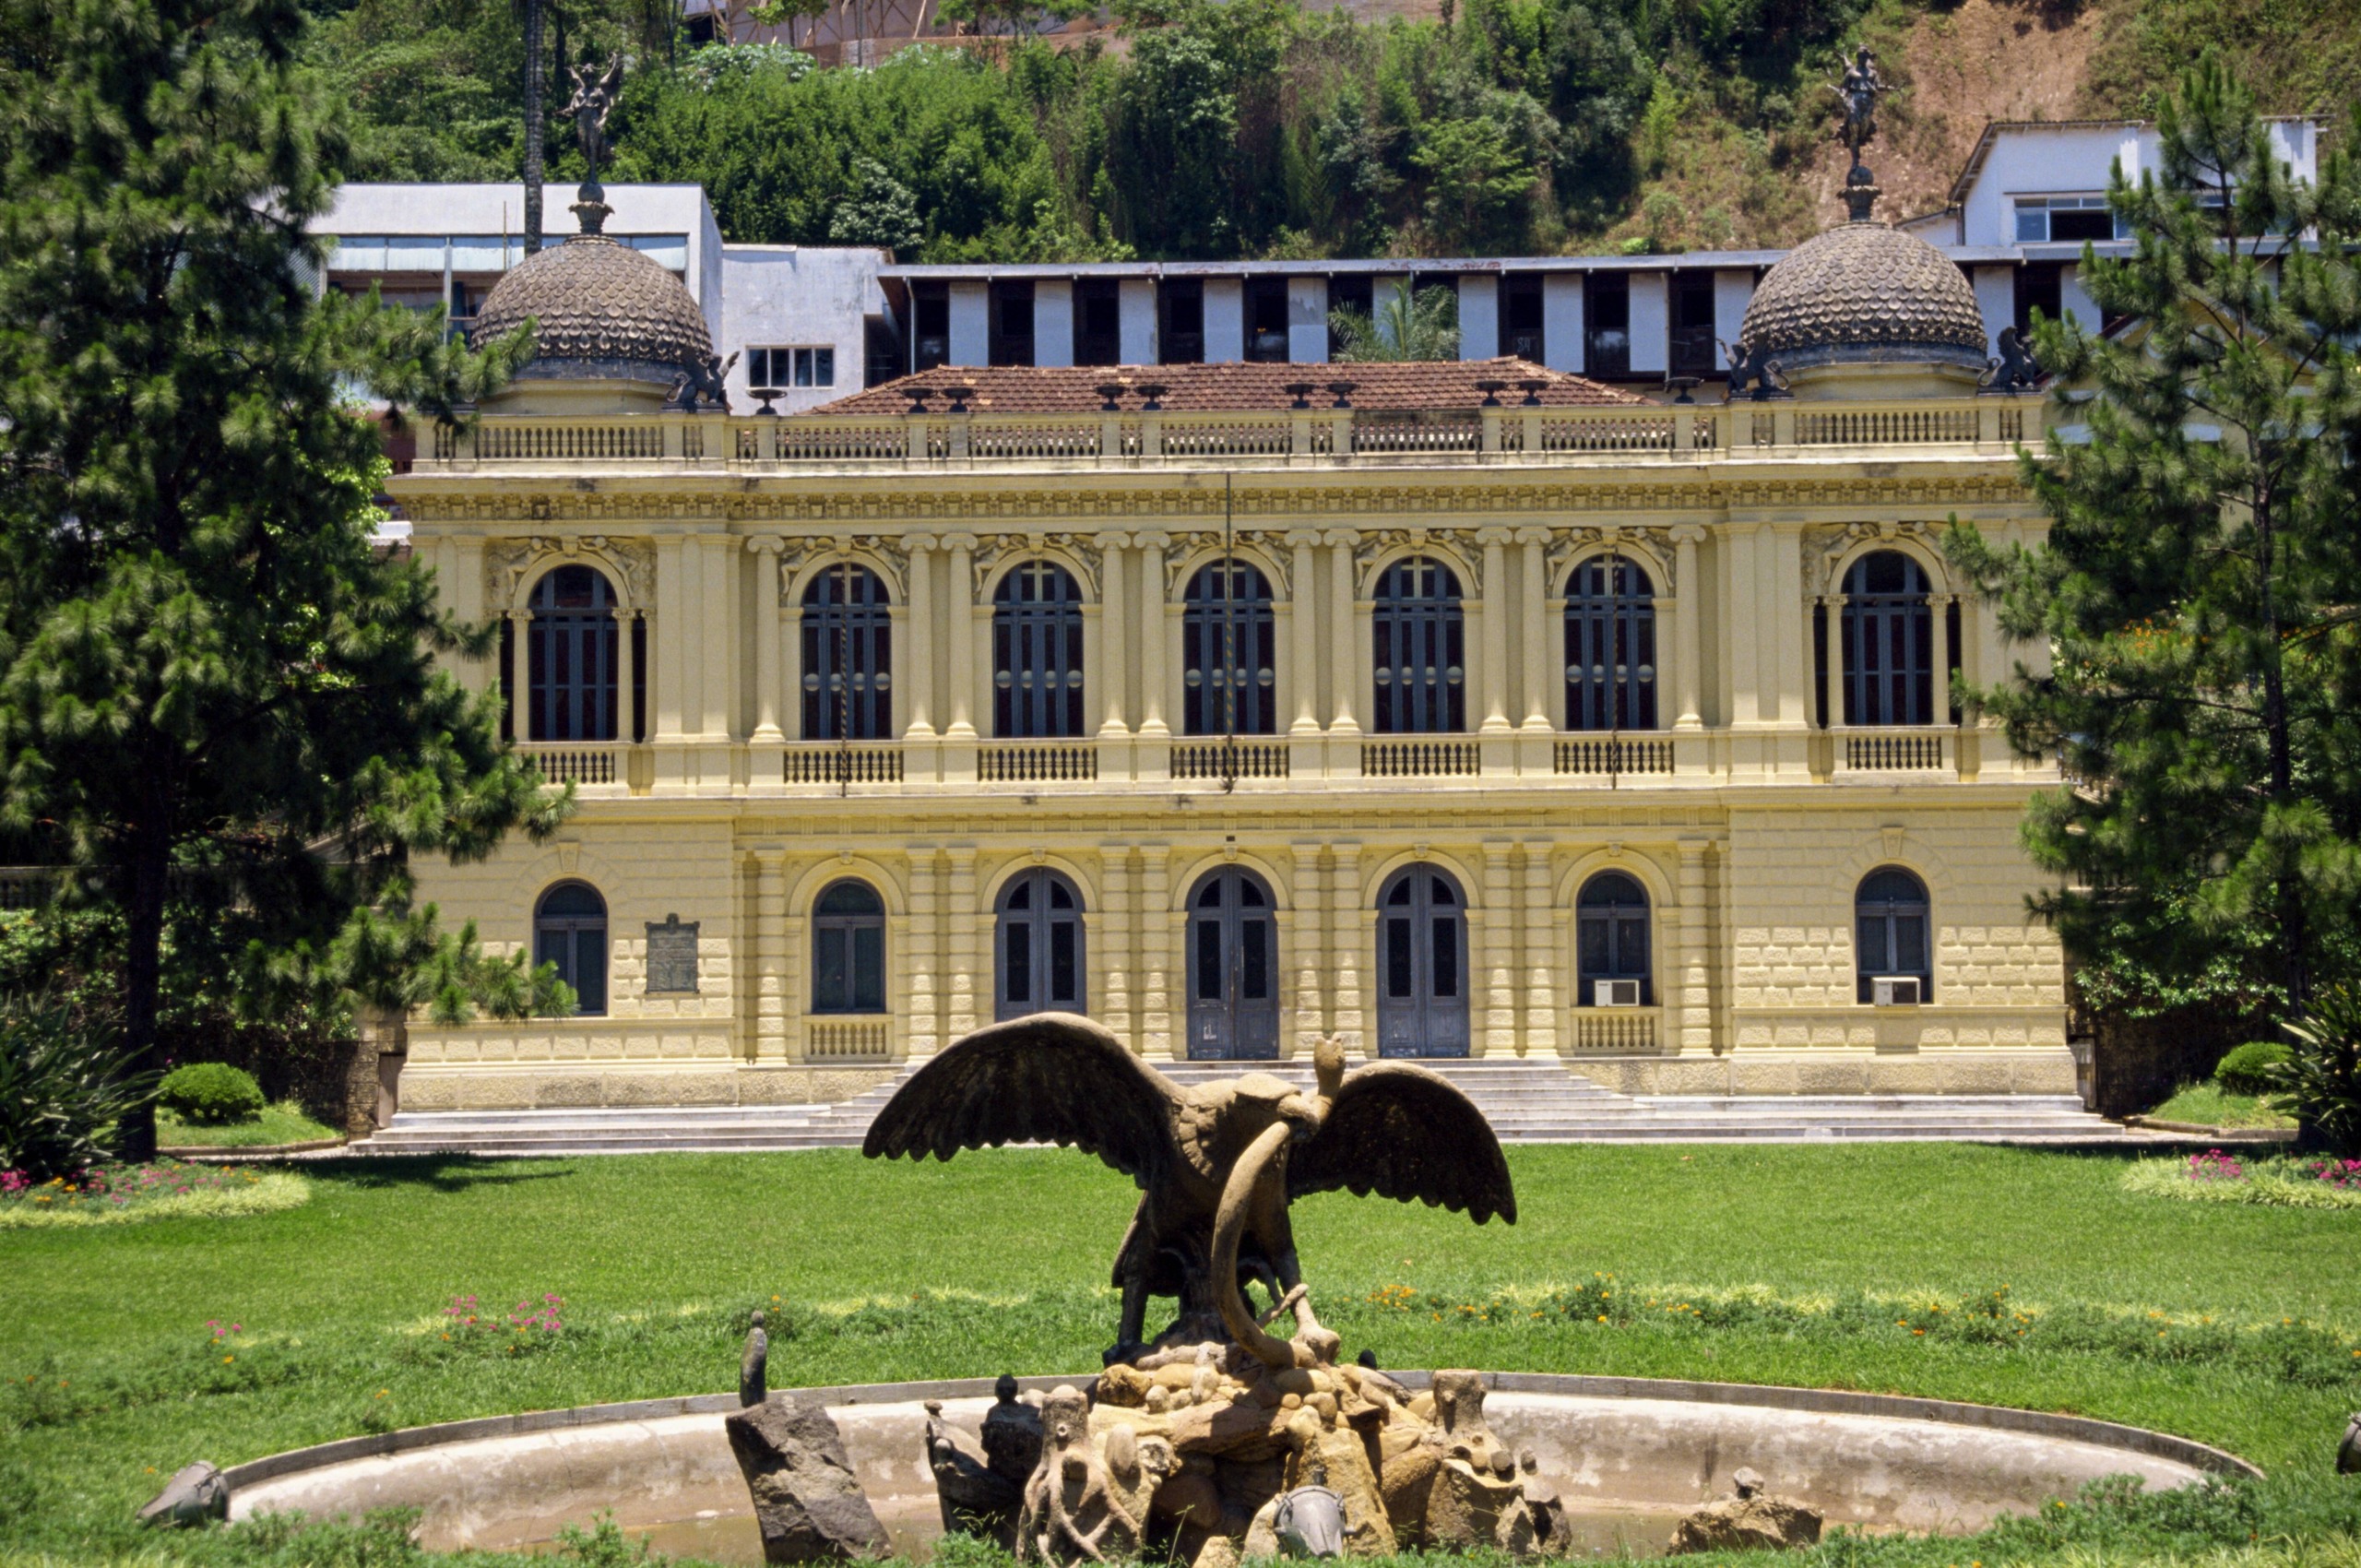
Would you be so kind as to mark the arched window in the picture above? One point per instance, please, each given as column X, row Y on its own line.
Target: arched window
column 1610, row 646
column 570, row 931
column 1232, row 670
column 1419, row 649
column 847, row 656
column 1422, row 965
column 1890, row 937
column 1039, row 938
column 1037, row 653
column 570, row 667
column 1233, row 968
column 848, row 949
column 1611, row 941
column 1889, row 642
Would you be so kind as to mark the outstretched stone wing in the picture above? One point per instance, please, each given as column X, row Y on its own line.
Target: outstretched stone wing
column 1050, row 1078
column 1402, row 1132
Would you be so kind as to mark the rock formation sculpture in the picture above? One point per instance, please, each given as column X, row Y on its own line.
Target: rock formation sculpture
column 807, row 1500
column 1750, row 1518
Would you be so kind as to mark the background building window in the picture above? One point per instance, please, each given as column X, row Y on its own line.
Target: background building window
column 1231, row 681
column 1607, row 324
column 570, row 931
column 1694, row 350
column 1182, row 341
column 1522, row 317
column 1098, row 322
column 790, row 367
column 1040, row 939
column 2041, row 219
column 1889, row 642
column 1611, row 936
column 848, row 950
column 1610, row 646
column 1890, row 931
column 1011, row 336
column 1037, row 653
column 847, row 656
column 1419, row 646
column 570, row 674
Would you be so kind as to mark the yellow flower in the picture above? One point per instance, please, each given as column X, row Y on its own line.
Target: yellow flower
column 227, row 1359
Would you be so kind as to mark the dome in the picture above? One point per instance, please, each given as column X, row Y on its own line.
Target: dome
column 1865, row 294
column 605, row 312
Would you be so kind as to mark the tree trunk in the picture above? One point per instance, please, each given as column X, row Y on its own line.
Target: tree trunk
column 2294, row 928
column 533, row 128
column 142, row 974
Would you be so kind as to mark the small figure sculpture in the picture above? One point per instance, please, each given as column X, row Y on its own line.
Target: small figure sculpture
column 1012, row 1434
column 1750, row 369
column 2016, row 370
column 754, row 1367
column 1088, row 1502
column 593, row 101
column 1552, row 1530
column 704, row 382
column 1311, row 1519
column 973, row 1496
column 1859, row 92
column 1750, row 1518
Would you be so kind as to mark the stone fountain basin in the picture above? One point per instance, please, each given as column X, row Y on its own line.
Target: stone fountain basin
column 1642, row 1448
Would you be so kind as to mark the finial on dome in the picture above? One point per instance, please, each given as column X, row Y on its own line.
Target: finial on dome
column 590, row 207
column 1858, row 93
column 593, row 101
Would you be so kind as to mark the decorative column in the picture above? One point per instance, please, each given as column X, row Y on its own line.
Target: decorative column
column 1152, row 634
column 716, row 654
column 520, row 666
column 1496, row 630
column 668, row 678
column 1540, row 953
column 961, row 963
column 795, row 985
column 1688, row 654
column 1344, row 672
column 919, row 617
column 1117, row 943
column 1156, row 952
column 1534, row 598
column 1303, row 641
column 766, row 550
column 1498, row 931
column 1690, row 971
column 1304, row 938
column 959, row 625
column 1346, row 932
column 925, row 962
column 1831, row 683
column 1114, row 638
column 770, row 954
column 1938, row 711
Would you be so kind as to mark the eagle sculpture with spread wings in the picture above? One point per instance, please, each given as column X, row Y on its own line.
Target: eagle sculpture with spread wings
column 1216, row 1163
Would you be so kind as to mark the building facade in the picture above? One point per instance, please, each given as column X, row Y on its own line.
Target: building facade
column 1454, row 709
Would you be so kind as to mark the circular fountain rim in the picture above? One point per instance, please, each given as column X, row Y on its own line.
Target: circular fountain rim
column 1823, row 1401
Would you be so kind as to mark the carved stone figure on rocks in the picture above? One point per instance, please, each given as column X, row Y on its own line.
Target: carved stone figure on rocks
column 754, row 1365
column 807, row 1500
column 195, row 1494
column 1012, row 1434
column 973, row 1497
column 1088, row 1502
column 1750, row 1518
column 1215, row 1161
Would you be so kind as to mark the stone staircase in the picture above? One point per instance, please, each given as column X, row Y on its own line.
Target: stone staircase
column 1535, row 1101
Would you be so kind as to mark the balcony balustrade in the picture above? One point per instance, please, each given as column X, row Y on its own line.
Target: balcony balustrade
column 1621, row 1031
column 1927, row 750
column 1612, row 754
column 582, row 762
column 829, row 763
column 1230, row 759
column 831, row 1039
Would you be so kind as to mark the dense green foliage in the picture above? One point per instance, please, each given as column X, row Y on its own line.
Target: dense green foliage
column 2319, row 1083
column 61, row 1094
column 2196, row 585
column 2248, row 1068
column 210, row 1091
column 1822, row 1276
column 218, row 699
column 1404, row 325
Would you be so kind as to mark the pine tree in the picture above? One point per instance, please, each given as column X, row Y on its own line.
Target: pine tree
column 218, row 698
column 2201, row 586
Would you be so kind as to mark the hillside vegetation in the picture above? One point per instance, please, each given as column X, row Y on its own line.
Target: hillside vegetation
column 1190, row 128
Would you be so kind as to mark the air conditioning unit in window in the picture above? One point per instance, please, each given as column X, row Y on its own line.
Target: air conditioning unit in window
column 1894, row 991
column 1615, row 993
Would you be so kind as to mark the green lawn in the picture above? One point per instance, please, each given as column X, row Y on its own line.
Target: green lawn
column 278, row 1124
column 2211, row 1105
column 1797, row 1256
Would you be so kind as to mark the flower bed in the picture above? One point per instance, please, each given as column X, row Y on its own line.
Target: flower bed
column 2286, row 1182
column 117, row 1194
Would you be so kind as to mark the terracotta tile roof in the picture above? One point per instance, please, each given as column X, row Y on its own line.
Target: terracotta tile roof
column 1229, row 388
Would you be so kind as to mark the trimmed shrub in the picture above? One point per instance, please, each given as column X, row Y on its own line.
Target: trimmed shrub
column 60, row 1092
column 211, row 1092
column 2248, row 1069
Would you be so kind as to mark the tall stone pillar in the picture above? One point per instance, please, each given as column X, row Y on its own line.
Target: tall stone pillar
column 1154, row 632
column 1540, row 952
column 765, row 548
column 1688, row 654
column 1348, row 932
column 1693, row 959
column 668, row 681
column 1158, row 1028
column 1306, row 931
column 925, row 965
column 1344, row 671
column 920, row 615
column 1939, row 707
column 1115, row 637
column 718, row 625
column 962, row 917
column 770, row 955
column 1118, row 945
column 1832, row 677
column 520, row 668
column 1497, row 958
column 1497, row 599
column 1532, row 596
column 959, row 625
column 623, row 672
column 1303, row 633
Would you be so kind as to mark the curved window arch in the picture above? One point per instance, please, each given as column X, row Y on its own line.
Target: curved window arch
column 1421, row 964
column 570, row 656
column 1233, row 968
column 570, row 931
column 848, row 949
column 1610, row 646
column 847, row 656
column 1611, row 937
column 1038, row 938
column 1890, row 932
column 1231, row 674
column 1889, row 641
column 1418, row 648
column 1037, row 653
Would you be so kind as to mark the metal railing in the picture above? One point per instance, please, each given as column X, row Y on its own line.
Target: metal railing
column 1420, row 759
column 1037, row 762
column 1612, row 754
column 824, row 761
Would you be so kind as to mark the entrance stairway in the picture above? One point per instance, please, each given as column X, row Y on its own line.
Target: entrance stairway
column 1537, row 1102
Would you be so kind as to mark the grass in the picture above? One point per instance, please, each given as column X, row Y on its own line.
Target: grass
column 282, row 1123
column 2208, row 1104
column 1788, row 1258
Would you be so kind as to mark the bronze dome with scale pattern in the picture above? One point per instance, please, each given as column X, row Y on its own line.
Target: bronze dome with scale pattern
column 1865, row 293
column 602, row 310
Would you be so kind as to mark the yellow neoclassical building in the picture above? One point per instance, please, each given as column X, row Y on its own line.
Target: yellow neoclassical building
column 1458, row 709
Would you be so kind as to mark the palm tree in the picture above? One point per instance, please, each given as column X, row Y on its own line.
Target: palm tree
column 533, row 129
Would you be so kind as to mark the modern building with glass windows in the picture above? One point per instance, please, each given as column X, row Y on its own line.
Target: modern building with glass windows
column 1458, row 709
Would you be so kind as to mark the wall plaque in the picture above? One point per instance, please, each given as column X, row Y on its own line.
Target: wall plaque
column 672, row 956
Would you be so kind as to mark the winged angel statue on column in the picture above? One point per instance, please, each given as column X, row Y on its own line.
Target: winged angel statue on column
column 1217, row 1163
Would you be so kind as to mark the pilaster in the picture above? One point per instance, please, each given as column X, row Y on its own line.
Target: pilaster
column 963, row 920
column 1540, row 960
column 771, row 1000
column 1496, row 926
column 1689, row 967
column 1118, row 942
column 925, row 1009
column 1347, row 939
column 1304, row 930
column 1157, row 1029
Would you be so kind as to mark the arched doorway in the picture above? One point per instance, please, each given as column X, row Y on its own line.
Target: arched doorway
column 1233, row 968
column 1889, row 634
column 1422, row 965
column 1037, row 946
